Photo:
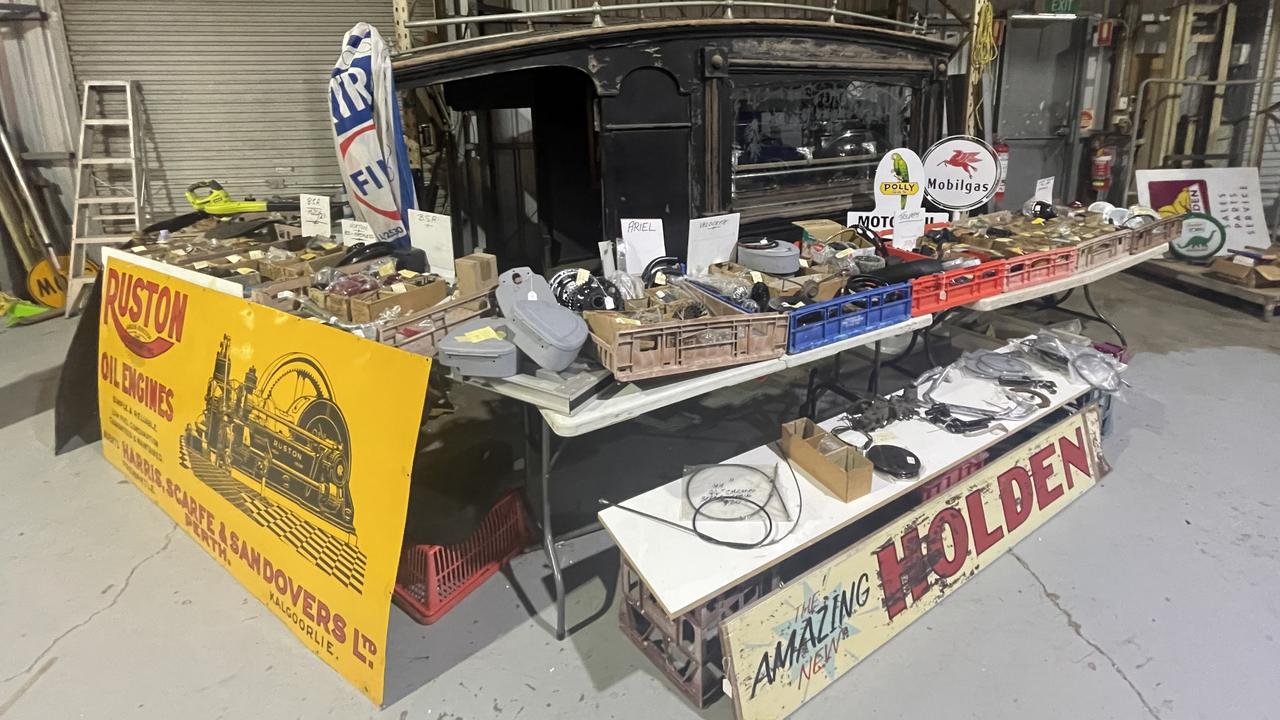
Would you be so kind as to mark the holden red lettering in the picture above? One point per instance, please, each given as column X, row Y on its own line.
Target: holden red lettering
column 893, row 567
column 1040, row 474
column 1015, row 496
column 983, row 538
column 951, row 519
column 1075, row 456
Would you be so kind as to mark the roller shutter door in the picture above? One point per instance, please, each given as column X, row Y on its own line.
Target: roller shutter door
column 234, row 91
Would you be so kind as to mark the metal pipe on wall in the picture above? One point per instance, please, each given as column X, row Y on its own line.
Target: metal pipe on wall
column 1131, row 171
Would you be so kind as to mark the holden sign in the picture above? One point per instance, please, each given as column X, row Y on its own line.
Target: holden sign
column 961, row 173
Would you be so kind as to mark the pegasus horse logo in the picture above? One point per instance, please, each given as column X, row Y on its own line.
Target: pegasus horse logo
column 966, row 161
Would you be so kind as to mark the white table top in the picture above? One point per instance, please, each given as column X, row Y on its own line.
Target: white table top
column 1081, row 278
column 684, row 571
column 635, row 399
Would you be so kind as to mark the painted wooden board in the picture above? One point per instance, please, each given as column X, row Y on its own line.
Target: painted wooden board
column 793, row 643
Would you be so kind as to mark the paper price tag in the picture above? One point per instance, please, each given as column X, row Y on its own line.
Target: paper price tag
column 137, row 248
column 234, row 259
column 256, row 254
column 844, row 253
column 582, row 275
column 1244, row 260
column 199, row 265
column 480, row 335
column 804, row 263
column 245, row 271
column 408, row 274
column 660, row 278
column 756, row 276
column 316, row 220
column 398, row 287
column 626, row 321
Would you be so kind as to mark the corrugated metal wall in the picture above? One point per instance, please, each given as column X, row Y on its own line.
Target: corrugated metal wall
column 235, row 91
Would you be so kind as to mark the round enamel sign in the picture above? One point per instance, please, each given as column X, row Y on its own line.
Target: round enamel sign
column 961, row 173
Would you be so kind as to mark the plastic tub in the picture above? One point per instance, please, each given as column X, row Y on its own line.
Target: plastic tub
column 940, row 291
column 551, row 335
column 1035, row 268
column 480, row 348
column 847, row 316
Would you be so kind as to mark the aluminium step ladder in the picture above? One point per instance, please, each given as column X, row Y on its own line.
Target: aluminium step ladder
column 109, row 182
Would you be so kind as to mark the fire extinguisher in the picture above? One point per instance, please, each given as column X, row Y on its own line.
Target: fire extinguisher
column 1002, row 157
column 1100, row 177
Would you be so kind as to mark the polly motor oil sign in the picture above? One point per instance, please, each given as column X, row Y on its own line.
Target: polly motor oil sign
column 794, row 642
column 261, row 435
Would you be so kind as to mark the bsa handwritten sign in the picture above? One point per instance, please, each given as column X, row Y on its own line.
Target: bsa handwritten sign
column 315, row 216
column 793, row 643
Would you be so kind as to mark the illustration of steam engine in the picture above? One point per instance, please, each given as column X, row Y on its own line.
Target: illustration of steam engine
column 282, row 431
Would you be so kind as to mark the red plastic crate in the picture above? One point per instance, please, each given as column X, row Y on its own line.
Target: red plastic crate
column 435, row 578
column 934, row 293
column 1035, row 268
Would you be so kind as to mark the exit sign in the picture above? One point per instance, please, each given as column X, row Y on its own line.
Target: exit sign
column 1060, row 6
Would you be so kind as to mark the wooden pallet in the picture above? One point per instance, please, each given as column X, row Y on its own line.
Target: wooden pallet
column 1267, row 298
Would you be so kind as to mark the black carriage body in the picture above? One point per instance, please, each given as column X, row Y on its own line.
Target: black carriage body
column 779, row 120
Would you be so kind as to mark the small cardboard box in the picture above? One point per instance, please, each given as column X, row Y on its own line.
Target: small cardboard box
column 420, row 293
column 1225, row 268
column 818, row 230
column 846, row 472
column 476, row 273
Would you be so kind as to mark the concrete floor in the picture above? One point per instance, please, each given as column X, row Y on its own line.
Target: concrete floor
column 1154, row 596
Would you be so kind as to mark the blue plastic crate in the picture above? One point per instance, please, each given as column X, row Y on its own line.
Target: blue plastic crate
column 847, row 316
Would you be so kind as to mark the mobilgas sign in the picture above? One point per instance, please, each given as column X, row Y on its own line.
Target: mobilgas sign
column 961, row 173
column 794, row 642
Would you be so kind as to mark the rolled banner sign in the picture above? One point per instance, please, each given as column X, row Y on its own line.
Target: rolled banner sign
column 369, row 137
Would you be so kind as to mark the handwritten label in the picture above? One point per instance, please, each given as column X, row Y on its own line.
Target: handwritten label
column 1244, row 260
column 245, row 271
column 354, row 231
column 316, row 220
column 398, row 287
column 480, row 335
column 199, row 265
column 907, row 227
column 433, row 234
column 712, row 240
column 234, row 259
column 582, row 276
column 643, row 241
column 1044, row 189
column 256, row 254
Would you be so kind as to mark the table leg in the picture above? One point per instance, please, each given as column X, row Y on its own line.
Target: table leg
column 1088, row 298
column 548, row 537
column 873, row 382
column 538, row 442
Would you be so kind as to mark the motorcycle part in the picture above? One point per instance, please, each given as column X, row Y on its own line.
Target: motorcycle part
column 770, row 257
column 1042, row 401
column 897, row 462
column 479, row 348
column 549, row 334
column 908, row 270
column 668, row 265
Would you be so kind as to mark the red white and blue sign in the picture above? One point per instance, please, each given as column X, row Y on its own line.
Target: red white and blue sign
column 368, row 135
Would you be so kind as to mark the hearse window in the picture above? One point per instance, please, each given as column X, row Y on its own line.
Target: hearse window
column 814, row 135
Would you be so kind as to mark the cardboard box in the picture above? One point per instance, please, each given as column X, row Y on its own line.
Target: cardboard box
column 416, row 296
column 846, row 472
column 476, row 273
column 818, row 230
column 1225, row 268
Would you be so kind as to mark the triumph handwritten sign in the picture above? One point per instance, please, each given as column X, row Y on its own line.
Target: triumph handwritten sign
column 793, row 643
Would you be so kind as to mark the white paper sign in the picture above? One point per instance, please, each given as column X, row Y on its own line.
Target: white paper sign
column 908, row 226
column 711, row 240
column 608, row 264
column 878, row 221
column 1044, row 190
column 642, row 242
column 1231, row 195
column 315, row 216
column 354, row 231
column 433, row 234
